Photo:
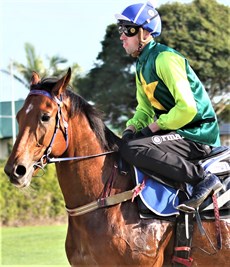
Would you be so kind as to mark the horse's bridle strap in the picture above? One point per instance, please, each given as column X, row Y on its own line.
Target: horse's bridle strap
column 59, row 115
column 105, row 202
column 101, row 203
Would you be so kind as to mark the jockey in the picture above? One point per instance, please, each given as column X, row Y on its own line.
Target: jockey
column 174, row 123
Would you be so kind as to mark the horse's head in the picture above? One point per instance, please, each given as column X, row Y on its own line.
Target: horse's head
column 41, row 120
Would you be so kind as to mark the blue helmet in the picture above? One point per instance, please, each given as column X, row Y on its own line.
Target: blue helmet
column 143, row 15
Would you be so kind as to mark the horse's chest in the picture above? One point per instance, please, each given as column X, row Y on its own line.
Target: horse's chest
column 121, row 239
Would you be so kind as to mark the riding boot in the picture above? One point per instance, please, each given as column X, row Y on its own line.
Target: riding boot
column 202, row 190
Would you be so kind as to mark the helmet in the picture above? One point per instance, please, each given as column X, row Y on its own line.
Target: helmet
column 143, row 15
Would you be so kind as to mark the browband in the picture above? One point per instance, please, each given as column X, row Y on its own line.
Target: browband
column 41, row 92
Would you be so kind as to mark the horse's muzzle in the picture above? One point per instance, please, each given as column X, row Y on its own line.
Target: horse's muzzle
column 19, row 174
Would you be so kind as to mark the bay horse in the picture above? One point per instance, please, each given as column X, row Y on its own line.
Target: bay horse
column 54, row 122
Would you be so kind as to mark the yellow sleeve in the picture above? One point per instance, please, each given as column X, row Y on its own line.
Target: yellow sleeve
column 171, row 68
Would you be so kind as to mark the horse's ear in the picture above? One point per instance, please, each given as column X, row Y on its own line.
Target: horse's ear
column 61, row 85
column 35, row 79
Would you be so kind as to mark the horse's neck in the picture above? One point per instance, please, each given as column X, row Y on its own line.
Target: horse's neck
column 81, row 181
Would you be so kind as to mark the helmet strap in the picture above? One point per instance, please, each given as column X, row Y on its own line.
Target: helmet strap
column 142, row 42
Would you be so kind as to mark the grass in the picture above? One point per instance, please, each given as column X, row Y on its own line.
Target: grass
column 33, row 245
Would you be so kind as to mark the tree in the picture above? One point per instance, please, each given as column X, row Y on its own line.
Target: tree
column 198, row 30
column 110, row 84
column 35, row 63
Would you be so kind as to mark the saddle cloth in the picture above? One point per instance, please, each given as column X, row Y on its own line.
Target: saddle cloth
column 157, row 197
column 160, row 200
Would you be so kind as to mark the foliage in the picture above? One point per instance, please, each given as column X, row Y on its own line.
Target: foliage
column 110, row 83
column 36, row 63
column 199, row 30
column 42, row 201
column 201, row 33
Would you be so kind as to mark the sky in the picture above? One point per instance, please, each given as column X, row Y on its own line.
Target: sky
column 72, row 29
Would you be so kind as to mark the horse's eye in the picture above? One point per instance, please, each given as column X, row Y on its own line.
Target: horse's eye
column 45, row 118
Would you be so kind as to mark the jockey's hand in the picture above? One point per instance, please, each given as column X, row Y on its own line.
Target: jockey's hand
column 145, row 132
column 127, row 135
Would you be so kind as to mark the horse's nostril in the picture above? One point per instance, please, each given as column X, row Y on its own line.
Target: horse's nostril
column 20, row 170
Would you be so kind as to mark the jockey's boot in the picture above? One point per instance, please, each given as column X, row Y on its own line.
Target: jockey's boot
column 202, row 190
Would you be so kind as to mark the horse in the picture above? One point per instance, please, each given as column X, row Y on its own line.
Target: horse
column 56, row 123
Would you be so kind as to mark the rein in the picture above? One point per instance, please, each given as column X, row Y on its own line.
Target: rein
column 45, row 159
column 52, row 160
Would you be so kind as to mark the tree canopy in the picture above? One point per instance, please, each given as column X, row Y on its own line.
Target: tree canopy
column 199, row 30
column 110, row 83
column 36, row 63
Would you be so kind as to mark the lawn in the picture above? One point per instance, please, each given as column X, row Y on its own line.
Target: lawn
column 33, row 245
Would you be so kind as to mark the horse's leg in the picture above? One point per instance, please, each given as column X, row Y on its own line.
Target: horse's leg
column 160, row 261
column 76, row 252
column 169, row 252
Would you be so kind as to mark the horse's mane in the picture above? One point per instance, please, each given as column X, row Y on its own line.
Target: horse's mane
column 106, row 137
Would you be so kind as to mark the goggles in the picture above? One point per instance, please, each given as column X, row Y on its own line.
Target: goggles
column 128, row 30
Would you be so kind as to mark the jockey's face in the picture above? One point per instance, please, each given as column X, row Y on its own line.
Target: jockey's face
column 130, row 44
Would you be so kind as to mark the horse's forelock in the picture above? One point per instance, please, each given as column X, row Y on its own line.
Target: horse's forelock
column 45, row 84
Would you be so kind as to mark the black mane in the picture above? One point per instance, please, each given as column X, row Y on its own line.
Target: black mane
column 107, row 138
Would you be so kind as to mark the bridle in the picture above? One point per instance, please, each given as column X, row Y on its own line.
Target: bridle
column 105, row 200
column 46, row 159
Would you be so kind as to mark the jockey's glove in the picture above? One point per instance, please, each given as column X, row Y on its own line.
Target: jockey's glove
column 145, row 132
column 127, row 135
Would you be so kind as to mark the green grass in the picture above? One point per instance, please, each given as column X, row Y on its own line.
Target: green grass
column 33, row 245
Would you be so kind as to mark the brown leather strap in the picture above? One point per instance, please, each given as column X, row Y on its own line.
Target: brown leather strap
column 105, row 202
column 217, row 221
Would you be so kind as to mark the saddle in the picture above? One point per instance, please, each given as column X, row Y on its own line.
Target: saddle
column 160, row 198
column 174, row 193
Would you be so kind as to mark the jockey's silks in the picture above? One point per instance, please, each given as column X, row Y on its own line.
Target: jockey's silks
column 168, row 89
